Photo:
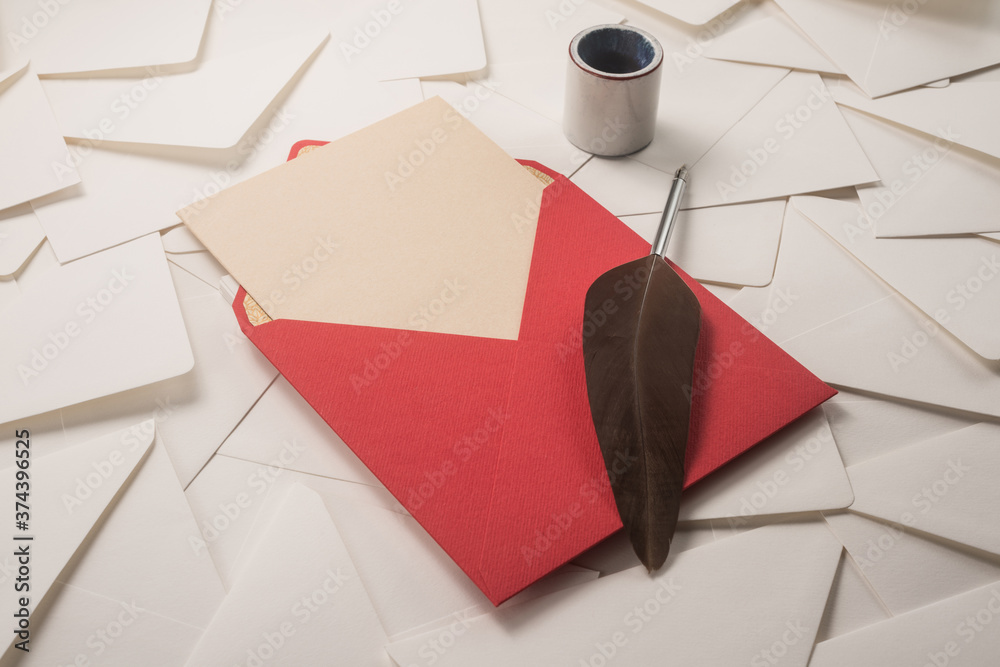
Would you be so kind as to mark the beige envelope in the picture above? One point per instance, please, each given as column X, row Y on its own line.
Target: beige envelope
column 365, row 211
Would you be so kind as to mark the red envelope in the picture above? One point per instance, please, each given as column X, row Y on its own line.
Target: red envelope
column 489, row 443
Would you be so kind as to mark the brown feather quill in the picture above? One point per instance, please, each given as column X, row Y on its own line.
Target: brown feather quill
column 638, row 364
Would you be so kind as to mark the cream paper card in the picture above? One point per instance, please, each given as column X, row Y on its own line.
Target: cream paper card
column 416, row 222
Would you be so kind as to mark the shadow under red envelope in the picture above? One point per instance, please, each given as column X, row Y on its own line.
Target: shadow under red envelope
column 489, row 443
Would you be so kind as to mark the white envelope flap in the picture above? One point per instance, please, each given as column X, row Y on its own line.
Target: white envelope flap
column 696, row 12
column 796, row 470
column 317, row 610
column 930, row 185
column 31, row 143
column 734, row 244
column 212, row 106
column 866, row 427
column 101, row 325
column 793, row 141
column 945, row 486
column 951, row 279
column 780, row 575
column 67, row 492
column 969, row 108
column 142, row 555
column 62, row 37
column 945, row 633
column 896, row 561
column 774, row 40
column 20, row 235
column 886, row 47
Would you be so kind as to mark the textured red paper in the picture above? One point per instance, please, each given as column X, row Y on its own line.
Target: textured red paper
column 489, row 443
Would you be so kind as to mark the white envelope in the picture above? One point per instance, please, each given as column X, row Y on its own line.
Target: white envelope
column 886, row 47
column 69, row 491
column 700, row 98
column 949, row 279
column 865, row 427
column 773, row 40
column 30, row 143
column 228, row 494
column 945, row 486
column 723, row 292
column 8, row 291
column 180, row 240
column 724, row 244
column 695, row 12
column 523, row 133
column 796, row 470
column 945, row 633
column 284, row 431
column 616, row 553
column 847, row 326
column 522, row 31
column 92, row 328
column 201, row 264
column 930, row 185
column 969, row 108
column 66, row 37
column 399, row 41
column 793, row 141
column 316, row 611
column 136, row 579
column 851, row 605
column 907, row 568
column 412, row 582
column 778, row 575
column 20, row 235
column 195, row 412
column 132, row 188
column 209, row 107
column 37, row 267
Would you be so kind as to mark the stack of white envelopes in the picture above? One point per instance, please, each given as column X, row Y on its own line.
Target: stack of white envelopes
column 180, row 503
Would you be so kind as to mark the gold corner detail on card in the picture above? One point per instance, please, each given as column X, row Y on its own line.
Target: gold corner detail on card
column 540, row 175
column 306, row 149
column 255, row 314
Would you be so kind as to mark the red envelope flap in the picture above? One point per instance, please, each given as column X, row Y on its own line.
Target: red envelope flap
column 489, row 442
